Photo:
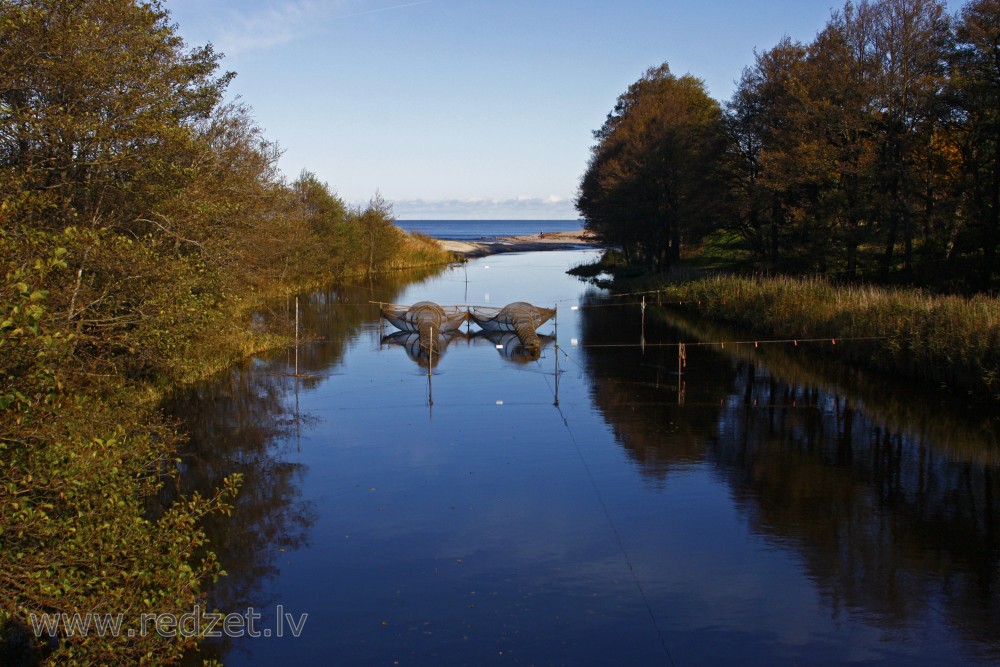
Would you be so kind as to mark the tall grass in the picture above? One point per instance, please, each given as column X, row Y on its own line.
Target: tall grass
column 419, row 250
column 950, row 340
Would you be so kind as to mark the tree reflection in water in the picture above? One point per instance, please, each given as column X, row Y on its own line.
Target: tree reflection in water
column 245, row 421
column 887, row 492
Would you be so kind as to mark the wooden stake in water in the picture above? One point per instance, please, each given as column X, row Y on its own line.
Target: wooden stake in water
column 430, row 394
column 296, row 336
column 555, row 322
column 556, row 403
column 430, row 376
column 642, row 339
column 298, row 418
column 643, row 316
column 681, row 365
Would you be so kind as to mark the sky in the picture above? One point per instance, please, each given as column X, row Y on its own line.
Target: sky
column 468, row 109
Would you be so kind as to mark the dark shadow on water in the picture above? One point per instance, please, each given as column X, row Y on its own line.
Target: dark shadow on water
column 890, row 493
column 245, row 421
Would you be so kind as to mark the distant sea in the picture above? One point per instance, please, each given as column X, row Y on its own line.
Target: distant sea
column 480, row 230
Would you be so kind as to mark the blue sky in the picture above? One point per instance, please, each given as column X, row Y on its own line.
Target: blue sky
column 479, row 109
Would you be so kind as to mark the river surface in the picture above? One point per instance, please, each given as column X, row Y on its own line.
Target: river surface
column 590, row 506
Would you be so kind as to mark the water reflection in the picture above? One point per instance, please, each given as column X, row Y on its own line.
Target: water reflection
column 426, row 356
column 507, row 344
column 889, row 497
column 243, row 422
column 510, row 347
column 760, row 506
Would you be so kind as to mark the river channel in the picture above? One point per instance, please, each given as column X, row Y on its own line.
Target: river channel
column 590, row 506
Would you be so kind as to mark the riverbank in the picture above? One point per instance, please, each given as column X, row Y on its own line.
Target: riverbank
column 233, row 336
column 534, row 242
column 88, row 452
column 951, row 341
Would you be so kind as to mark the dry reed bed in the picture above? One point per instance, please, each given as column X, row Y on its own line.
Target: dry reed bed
column 951, row 340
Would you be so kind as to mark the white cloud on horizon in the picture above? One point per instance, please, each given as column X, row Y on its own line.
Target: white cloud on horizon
column 518, row 208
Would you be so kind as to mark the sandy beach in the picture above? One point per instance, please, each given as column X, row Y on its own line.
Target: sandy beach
column 544, row 241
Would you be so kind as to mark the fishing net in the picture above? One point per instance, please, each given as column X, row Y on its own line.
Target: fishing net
column 519, row 317
column 429, row 320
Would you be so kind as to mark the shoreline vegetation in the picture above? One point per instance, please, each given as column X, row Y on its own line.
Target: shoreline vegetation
column 143, row 222
column 234, row 338
column 950, row 341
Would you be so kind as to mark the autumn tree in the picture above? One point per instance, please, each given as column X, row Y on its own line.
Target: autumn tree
column 910, row 46
column 844, row 144
column 323, row 210
column 97, row 100
column 975, row 90
column 655, row 176
column 372, row 236
column 840, row 78
column 765, row 125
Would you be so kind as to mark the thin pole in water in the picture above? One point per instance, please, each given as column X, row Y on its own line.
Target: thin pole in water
column 556, row 320
column 556, row 402
column 681, row 364
column 298, row 418
column 430, row 377
column 642, row 340
column 430, row 353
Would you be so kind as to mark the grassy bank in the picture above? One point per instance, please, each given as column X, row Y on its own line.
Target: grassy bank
column 949, row 340
column 420, row 250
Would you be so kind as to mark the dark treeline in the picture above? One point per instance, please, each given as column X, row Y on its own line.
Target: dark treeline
column 141, row 217
column 869, row 153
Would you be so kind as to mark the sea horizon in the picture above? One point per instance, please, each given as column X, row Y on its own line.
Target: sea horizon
column 479, row 230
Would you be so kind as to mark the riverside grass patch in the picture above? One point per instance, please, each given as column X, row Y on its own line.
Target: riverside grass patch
column 950, row 340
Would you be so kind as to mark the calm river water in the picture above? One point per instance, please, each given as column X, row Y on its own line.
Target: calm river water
column 761, row 509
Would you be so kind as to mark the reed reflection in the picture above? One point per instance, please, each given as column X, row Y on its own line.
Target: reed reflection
column 889, row 494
